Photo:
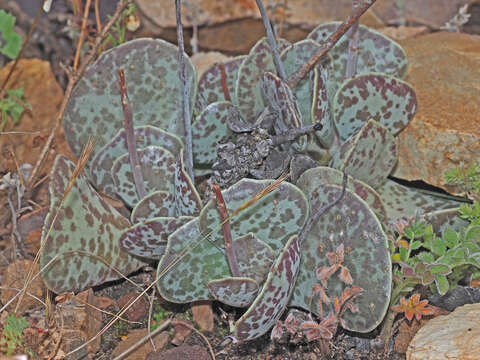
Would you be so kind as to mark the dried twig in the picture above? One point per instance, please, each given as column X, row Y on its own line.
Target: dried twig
column 352, row 58
column 227, row 233
column 130, row 134
column 86, row 10
column 72, row 80
column 97, row 17
column 187, row 121
column 271, row 39
column 331, row 41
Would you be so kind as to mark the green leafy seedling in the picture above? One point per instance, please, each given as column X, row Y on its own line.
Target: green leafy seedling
column 10, row 41
column 12, row 106
column 12, row 334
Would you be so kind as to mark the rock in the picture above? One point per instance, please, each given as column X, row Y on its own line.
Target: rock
column 183, row 328
column 445, row 133
column 203, row 60
column 184, row 352
column 307, row 13
column 79, row 318
column 43, row 92
column 30, row 228
column 456, row 297
column 136, row 312
column 14, row 279
column 160, row 340
column 403, row 32
column 234, row 26
column 432, row 13
column 203, row 315
column 453, row 336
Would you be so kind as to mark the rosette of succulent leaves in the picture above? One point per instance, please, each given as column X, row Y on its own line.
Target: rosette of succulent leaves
column 250, row 127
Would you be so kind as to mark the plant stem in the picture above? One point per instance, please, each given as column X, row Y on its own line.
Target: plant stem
column 227, row 233
column 331, row 41
column 187, row 121
column 130, row 134
column 272, row 42
column 352, row 58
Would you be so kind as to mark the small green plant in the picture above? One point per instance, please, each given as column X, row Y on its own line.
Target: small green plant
column 12, row 334
column 120, row 328
column 117, row 34
column 12, row 106
column 10, row 41
column 466, row 177
column 159, row 317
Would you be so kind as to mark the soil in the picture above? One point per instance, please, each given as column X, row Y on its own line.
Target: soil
column 54, row 40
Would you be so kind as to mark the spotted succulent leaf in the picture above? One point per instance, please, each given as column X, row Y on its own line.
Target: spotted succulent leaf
column 187, row 199
column 369, row 155
column 376, row 52
column 353, row 225
column 313, row 179
column 293, row 58
column 273, row 219
column 385, row 99
column 145, row 136
column 234, row 291
column 151, row 71
column 283, row 105
column 405, row 202
column 320, row 108
column 191, row 261
column 274, row 296
column 148, row 239
column 248, row 94
column 254, row 257
column 211, row 86
column 84, row 235
column 158, row 169
column 156, row 204
column 209, row 129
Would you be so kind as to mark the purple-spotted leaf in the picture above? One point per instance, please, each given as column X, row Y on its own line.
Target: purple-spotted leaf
column 215, row 81
column 145, row 136
column 248, row 94
column 187, row 199
column 156, row 204
column 151, row 69
column 191, row 260
column 234, row 291
column 274, row 296
column 148, row 239
column 385, row 99
column 315, row 178
column 254, row 257
column 353, row 224
column 405, row 202
column 209, row 129
column 320, row 109
column 369, row 155
column 273, row 219
column 158, row 169
column 283, row 105
column 293, row 58
column 84, row 235
column 376, row 52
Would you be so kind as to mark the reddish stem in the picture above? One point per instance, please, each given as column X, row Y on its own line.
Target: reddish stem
column 331, row 41
column 226, row 93
column 227, row 233
column 129, row 131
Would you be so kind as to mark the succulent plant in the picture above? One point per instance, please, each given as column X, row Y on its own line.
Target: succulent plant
column 273, row 260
